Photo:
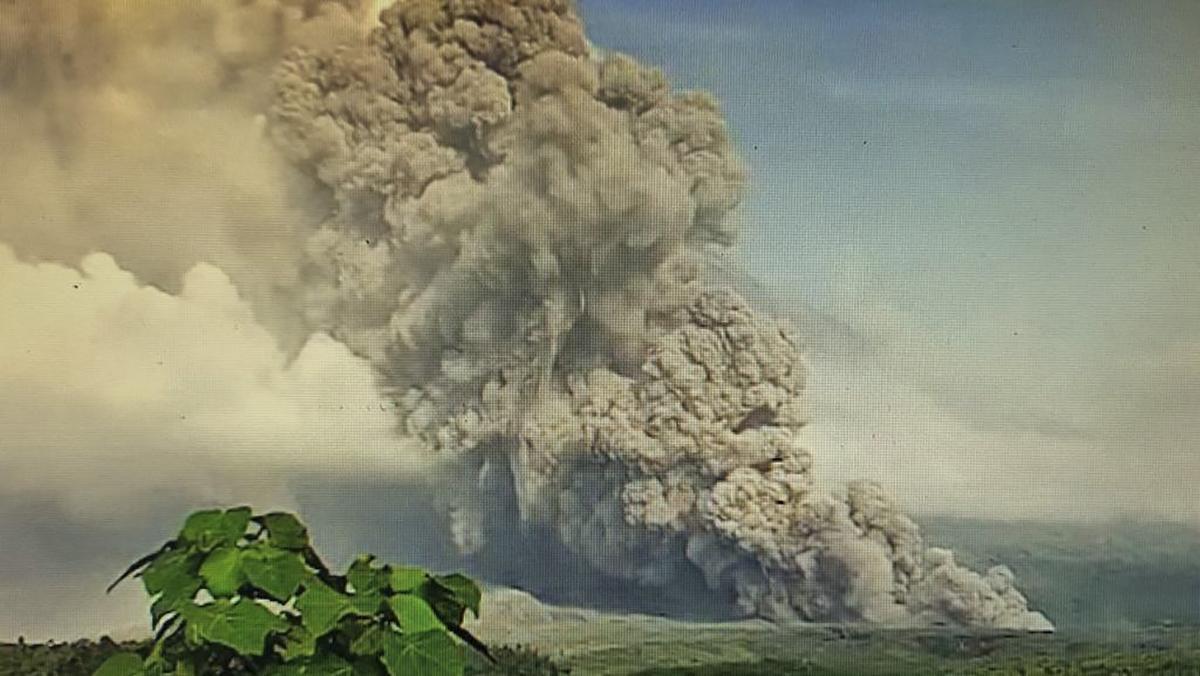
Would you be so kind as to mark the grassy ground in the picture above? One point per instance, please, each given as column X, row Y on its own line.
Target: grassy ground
column 709, row 651
column 80, row 658
column 899, row 653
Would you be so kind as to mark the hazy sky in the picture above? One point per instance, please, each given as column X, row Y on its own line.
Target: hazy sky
column 983, row 217
column 997, row 206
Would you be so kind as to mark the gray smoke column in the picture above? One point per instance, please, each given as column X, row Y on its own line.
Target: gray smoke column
column 516, row 240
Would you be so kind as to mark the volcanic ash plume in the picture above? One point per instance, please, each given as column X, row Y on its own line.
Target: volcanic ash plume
column 135, row 128
column 517, row 234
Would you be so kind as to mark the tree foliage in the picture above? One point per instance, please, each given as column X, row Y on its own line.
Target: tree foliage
column 235, row 592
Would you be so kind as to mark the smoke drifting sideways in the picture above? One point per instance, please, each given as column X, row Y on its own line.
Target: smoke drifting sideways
column 517, row 244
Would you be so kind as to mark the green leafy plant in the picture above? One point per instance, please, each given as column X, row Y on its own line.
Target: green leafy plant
column 237, row 593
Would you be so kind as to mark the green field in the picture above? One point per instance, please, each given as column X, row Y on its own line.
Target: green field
column 848, row 652
column 710, row 650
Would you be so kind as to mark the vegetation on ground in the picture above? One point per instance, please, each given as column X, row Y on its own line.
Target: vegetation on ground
column 78, row 658
column 1181, row 657
column 516, row 661
column 1102, row 665
column 82, row 658
column 1019, row 658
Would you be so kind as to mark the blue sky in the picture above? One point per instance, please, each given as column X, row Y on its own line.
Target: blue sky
column 992, row 208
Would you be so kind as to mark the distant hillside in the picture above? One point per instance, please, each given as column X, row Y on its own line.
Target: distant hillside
column 1088, row 576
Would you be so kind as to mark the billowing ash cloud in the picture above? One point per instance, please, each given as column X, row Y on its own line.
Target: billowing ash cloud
column 516, row 242
column 136, row 129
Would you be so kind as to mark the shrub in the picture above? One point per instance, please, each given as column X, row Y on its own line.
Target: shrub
column 236, row 593
column 516, row 661
column 77, row 658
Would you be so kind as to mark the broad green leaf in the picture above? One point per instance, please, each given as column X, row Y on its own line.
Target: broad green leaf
column 407, row 578
column 121, row 664
column 320, row 665
column 170, row 569
column 299, row 643
column 367, row 578
column 173, row 577
column 212, row 528
column 275, row 571
column 367, row 604
column 222, row 572
column 242, row 625
column 234, row 522
column 353, row 626
column 198, row 524
column 431, row 653
column 285, row 531
column 464, row 589
column 451, row 596
column 173, row 599
column 321, row 607
column 368, row 666
column 370, row 643
column 443, row 602
column 413, row 614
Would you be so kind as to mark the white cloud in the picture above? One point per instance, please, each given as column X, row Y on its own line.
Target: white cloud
column 976, row 419
column 123, row 407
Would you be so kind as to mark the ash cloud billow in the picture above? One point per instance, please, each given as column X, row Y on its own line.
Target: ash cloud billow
column 516, row 241
column 135, row 129
column 508, row 226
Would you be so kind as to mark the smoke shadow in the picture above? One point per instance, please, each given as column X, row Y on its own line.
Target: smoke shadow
column 403, row 523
